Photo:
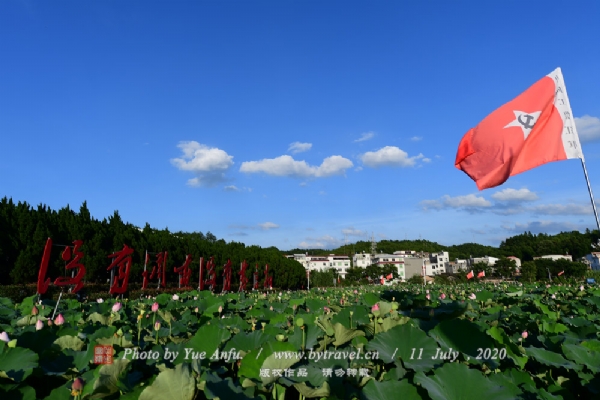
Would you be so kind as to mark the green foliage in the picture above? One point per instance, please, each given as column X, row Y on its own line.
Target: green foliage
column 24, row 230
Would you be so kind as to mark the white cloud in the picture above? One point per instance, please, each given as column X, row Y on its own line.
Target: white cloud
column 365, row 136
column 231, row 188
column 287, row 166
column 514, row 195
column 298, row 147
column 323, row 242
column 389, row 156
column 588, row 128
column 208, row 163
column 563, row 209
column 426, row 160
column 469, row 202
column 416, row 138
column 353, row 232
column 268, row 225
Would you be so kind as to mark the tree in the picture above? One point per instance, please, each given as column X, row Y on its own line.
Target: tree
column 505, row 267
column 528, row 271
column 355, row 274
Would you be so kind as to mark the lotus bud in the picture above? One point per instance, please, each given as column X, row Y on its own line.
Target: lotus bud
column 4, row 337
column 100, row 300
column 175, row 297
column 39, row 325
column 59, row 320
column 157, row 326
column 524, row 335
column 34, row 311
column 155, row 307
column 116, row 307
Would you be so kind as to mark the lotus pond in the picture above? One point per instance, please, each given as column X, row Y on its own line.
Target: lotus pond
column 443, row 342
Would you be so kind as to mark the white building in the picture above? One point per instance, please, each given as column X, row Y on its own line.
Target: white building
column 361, row 260
column 457, row 265
column 486, row 259
column 393, row 259
column 593, row 261
column 439, row 262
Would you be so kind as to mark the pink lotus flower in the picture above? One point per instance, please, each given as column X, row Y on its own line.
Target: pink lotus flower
column 59, row 320
column 116, row 307
column 155, row 307
column 196, row 309
column 472, row 296
column 175, row 297
column 39, row 325
column 375, row 307
column 100, row 300
column 581, row 288
column 195, row 297
column 442, row 296
column 78, row 384
column 553, row 296
column 428, row 296
column 524, row 335
column 4, row 337
column 34, row 311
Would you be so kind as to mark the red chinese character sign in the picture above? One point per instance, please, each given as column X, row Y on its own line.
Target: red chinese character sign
column 201, row 278
column 43, row 283
column 268, row 279
column 255, row 286
column 243, row 278
column 74, row 263
column 122, row 259
column 211, row 274
column 227, row 276
column 185, row 272
column 158, row 271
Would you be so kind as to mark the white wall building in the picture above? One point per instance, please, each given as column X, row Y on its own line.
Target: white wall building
column 393, row 259
column 361, row 260
column 592, row 260
column 486, row 259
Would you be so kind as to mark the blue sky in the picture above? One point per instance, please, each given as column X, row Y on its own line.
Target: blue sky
column 294, row 123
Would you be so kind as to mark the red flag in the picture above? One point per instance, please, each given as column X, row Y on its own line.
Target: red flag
column 470, row 275
column 560, row 273
column 535, row 128
column 481, row 274
column 389, row 277
column 381, row 281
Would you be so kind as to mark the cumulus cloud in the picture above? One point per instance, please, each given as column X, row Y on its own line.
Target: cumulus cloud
column 209, row 164
column 365, row 136
column 268, row 225
column 231, row 188
column 298, row 147
column 416, row 138
column 287, row 166
column 353, row 232
column 469, row 202
column 323, row 242
column 588, row 128
column 514, row 195
column 390, row 156
column 562, row 209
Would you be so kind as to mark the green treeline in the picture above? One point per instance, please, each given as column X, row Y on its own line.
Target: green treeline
column 24, row 230
column 524, row 246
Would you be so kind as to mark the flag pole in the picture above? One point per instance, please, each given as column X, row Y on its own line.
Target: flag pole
column 587, row 180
